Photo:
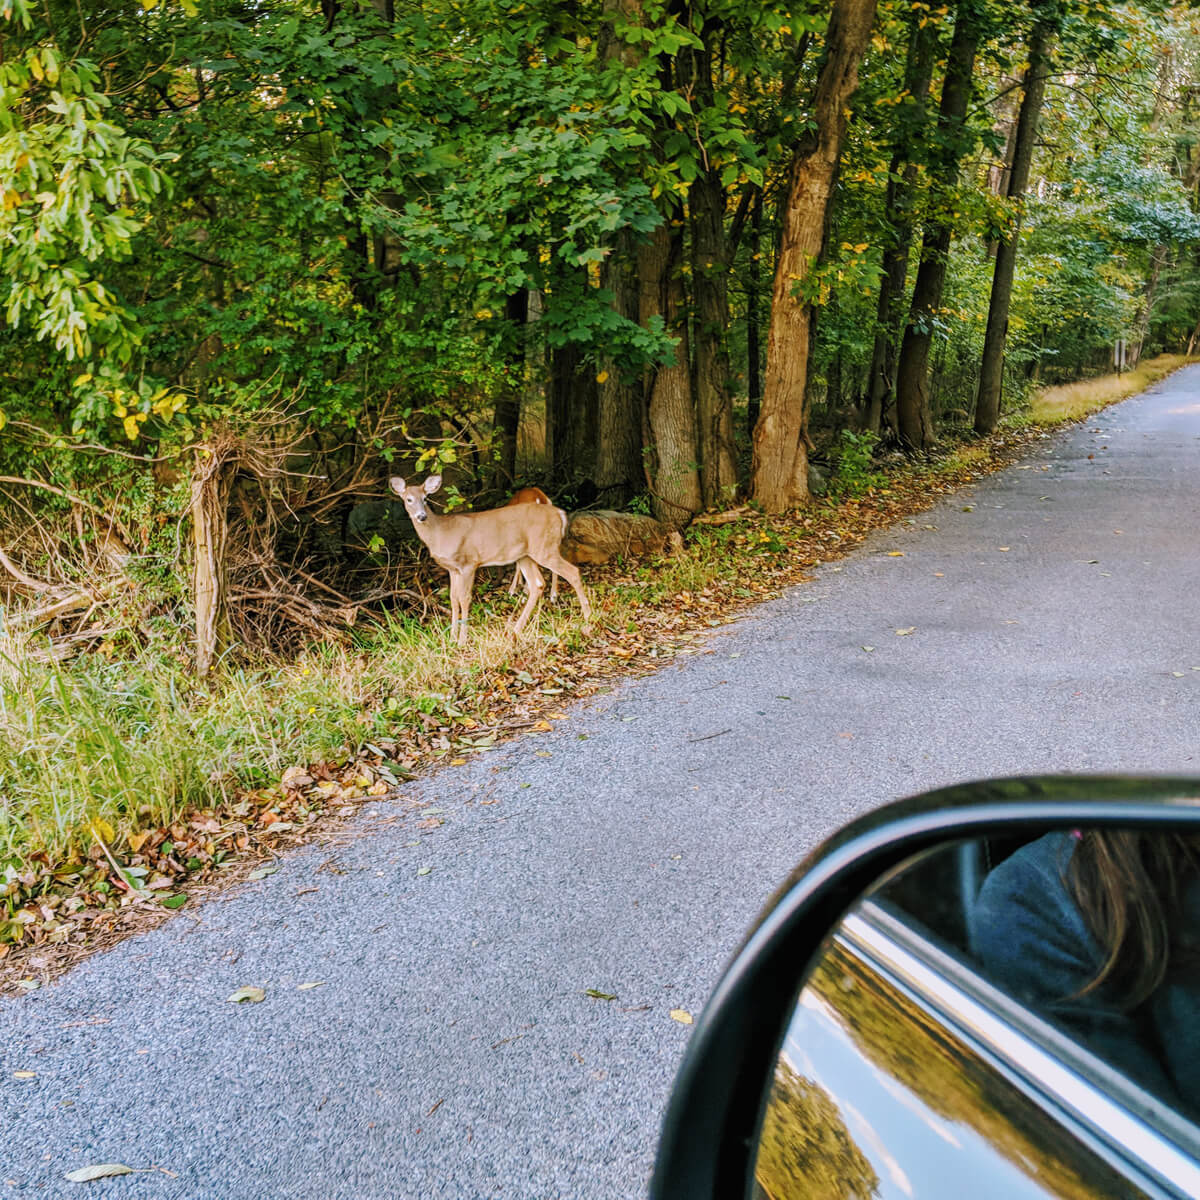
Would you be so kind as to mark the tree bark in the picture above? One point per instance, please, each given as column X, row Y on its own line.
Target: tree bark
column 672, row 469
column 710, row 258
column 211, row 479
column 753, row 349
column 618, row 459
column 507, row 418
column 991, row 369
column 914, row 415
column 902, row 181
column 780, row 465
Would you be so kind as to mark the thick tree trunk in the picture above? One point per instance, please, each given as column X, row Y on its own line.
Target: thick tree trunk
column 914, row 414
column 619, row 475
column 672, row 470
column 710, row 255
column 991, row 369
column 780, row 468
column 714, row 406
column 572, row 416
column 902, row 181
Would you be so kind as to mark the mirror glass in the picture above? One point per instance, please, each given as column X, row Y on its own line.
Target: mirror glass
column 1008, row 1017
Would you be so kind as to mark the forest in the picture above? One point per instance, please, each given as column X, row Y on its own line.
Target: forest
column 258, row 256
column 660, row 258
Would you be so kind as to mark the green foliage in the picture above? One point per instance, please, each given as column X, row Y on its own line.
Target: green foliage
column 853, row 474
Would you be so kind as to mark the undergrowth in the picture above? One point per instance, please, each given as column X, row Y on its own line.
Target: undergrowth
column 102, row 753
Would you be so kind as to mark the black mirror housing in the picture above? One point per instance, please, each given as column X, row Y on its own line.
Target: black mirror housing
column 709, row 1134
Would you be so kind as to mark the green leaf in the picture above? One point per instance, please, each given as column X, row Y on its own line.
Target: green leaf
column 176, row 901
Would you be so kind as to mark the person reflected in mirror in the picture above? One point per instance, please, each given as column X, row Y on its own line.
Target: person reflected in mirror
column 1100, row 931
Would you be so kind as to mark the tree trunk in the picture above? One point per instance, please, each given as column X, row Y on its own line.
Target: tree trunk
column 507, row 419
column 211, row 480
column 780, row 467
column 714, row 406
column 902, row 181
column 619, row 474
column 670, row 414
column 991, row 370
column 914, row 414
column 710, row 256
column 753, row 350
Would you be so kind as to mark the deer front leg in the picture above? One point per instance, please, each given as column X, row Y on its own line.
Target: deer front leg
column 536, row 585
column 466, row 585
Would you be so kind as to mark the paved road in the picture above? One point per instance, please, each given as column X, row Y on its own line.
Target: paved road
column 451, row 1052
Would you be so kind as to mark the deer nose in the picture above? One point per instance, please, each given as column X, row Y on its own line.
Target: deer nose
column 422, row 516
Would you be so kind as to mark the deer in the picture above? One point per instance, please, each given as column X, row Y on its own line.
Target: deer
column 528, row 534
column 532, row 495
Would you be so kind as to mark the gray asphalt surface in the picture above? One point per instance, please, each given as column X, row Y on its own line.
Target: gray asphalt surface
column 451, row 1051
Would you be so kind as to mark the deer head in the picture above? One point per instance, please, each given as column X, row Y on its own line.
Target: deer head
column 414, row 495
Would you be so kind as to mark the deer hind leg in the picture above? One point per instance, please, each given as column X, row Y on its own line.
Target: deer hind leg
column 557, row 565
column 536, row 585
column 516, row 579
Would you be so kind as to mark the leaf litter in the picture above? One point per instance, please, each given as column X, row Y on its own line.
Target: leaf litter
column 58, row 912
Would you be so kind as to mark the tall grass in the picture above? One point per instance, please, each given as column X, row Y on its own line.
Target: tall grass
column 1071, row 401
column 133, row 743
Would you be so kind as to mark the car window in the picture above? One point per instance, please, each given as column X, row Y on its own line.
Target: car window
column 1092, row 932
column 951, row 1038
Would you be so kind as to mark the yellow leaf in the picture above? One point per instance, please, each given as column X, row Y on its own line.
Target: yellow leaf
column 138, row 840
column 681, row 1015
column 35, row 67
column 24, row 1074
column 602, row 377
column 102, row 829
column 895, row 554
column 149, row 4
column 458, row 762
column 131, row 428
column 544, row 726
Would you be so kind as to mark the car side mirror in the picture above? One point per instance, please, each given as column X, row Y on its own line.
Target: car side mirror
column 916, row 974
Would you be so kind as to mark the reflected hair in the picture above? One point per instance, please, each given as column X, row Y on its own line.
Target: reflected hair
column 1130, row 887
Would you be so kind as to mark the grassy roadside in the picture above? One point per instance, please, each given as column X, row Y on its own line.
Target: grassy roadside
column 1073, row 401
column 127, row 788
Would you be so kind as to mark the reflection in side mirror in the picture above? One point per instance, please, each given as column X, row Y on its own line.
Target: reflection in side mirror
column 1006, row 1017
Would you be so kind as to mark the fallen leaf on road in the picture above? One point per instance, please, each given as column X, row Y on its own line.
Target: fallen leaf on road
column 1177, row 674
column 176, row 901
column 99, row 1171
column 304, row 987
column 868, row 649
column 255, row 995
column 596, row 994
column 543, row 727
column 681, row 1015
column 906, row 632
column 1005, row 549
column 895, row 554
column 24, row 1074
column 543, row 753
column 262, row 872
column 424, row 870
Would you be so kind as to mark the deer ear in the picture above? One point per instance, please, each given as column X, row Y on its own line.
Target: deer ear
column 397, row 484
column 432, row 484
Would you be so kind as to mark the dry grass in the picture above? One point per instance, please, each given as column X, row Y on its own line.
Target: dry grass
column 1073, row 401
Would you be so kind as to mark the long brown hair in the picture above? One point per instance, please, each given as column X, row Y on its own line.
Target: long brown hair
column 1130, row 888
